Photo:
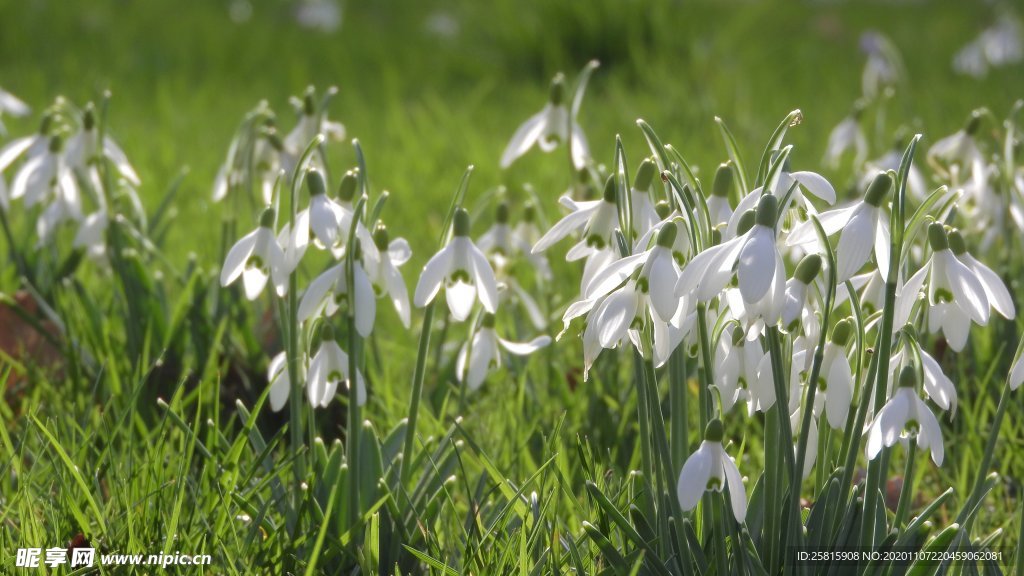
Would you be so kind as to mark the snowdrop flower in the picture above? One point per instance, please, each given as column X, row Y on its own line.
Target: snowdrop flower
column 280, row 384
column 500, row 243
column 846, row 136
column 937, row 386
column 91, row 235
column 643, row 216
column 330, row 290
column 526, row 234
column 1017, row 373
column 884, row 67
column 464, row 271
column 597, row 219
column 483, row 355
column 955, row 294
column 383, row 271
column 254, row 258
column 891, row 160
column 718, row 204
column 811, row 448
column 324, row 213
column 549, row 127
column 796, row 299
column 322, row 15
column 309, row 125
column 327, row 369
column 30, row 146
column 45, row 176
column 995, row 289
column 812, row 182
column 835, row 382
column 861, row 227
column 905, row 415
column 999, row 45
column 737, row 360
column 84, row 146
column 958, row 153
column 711, row 469
column 10, row 104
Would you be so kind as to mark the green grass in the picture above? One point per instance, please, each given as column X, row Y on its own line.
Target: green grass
column 90, row 450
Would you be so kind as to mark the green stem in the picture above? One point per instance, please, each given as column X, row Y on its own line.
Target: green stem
column 678, row 401
column 404, row 466
column 646, row 453
column 704, row 393
column 986, row 460
column 906, row 493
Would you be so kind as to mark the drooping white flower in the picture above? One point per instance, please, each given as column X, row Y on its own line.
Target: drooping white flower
column 10, row 104
column 905, row 415
column 330, row 290
column 311, row 122
column 884, row 66
column 861, row 227
column 643, row 216
column 995, row 289
column 937, row 386
column 280, row 383
column 719, row 209
column 891, row 160
column 711, row 469
column 847, row 136
column 383, row 271
column 835, row 381
column 31, row 146
column 548, row 128
column 84, row 147
column 256, row 257
column 328, row 369
column 463, row 270
column 737, row 360
column 798, row 182
column 596, row 218
column 795, row 307
column 958, row 153
column 526, row 234
column 998, row 45
column 483, row 355
column 91, row 235
column 46, row 176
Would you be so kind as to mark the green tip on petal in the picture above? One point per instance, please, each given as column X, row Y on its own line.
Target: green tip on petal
column 315, row 183
column 327, row 333
column 610, row 191
column 662, row 209
column 842, row 332
column 767, row 210
column 89, row 117
column 488, row 320
column 723, row 180
column 973, row 122
column 347, row 189
column 878, row 188
column 715, row 431
column 956, row 242
column 746, row 222
column 667, row 235
column 501, row 214
column 381, row 238
column 808, row 268
column 937, row 237
column 557, row 89
column 645, row 175
column 460, row 224
column 908, row 377
column 267, row 218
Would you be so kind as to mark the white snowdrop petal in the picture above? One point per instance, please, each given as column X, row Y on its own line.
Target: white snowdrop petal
column 693, row 479
column 855, row 243
column 614, row 274
column 235, row 261
column 757, row 264
column 483, row 276
column 525, row 348
column 615, row 316
column 564, row 227
column 737, row 492
column 318, row 290
column 968, row 292
column 524, row 138
column 816, row 184
column 460, row 297
column 432, row 276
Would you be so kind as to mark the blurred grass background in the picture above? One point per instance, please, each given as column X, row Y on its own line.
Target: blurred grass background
column 430, row 87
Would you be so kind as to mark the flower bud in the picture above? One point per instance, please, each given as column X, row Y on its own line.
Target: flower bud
column 267, row 218
column 973, row 122
column 667, row 235
column 315, row 183
column 610, row 191
column 645, row 175
column 557, row 89
column 808, row 268
column 937, row 237
column 662, row 209
column 878, row 188
column 460, row 223
column 488, row 320
column 308, row 103
column 956, row 242
column 381, row 238
column 529, row 212
column 723, row 180
column 56, row 144
column 89, row 117
column 714, row 431
column 767, row 210
column 842, row 332
column 746, row 222
column 327, row 333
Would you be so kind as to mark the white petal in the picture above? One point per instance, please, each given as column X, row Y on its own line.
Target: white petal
column 968, row 293
column 995, row 289
column 839, row 395
column 615, row 316
column 432, row 276
column 882, row 245
column 313, row 299
column 524, row 138
column 13, row 149
column 460, row 297
column 483, row 276
column 1017, row 374
column 365, row 302
column 253, row 280
column 397, row 291
column 235, row 261
column 816, row 184
column 855, row 242
column 757, row 264
column 929, row 435
column 662, row 279
column 484, row 352
column 580, row 148
column 832, row 221
column 693, row 479
column 564, row 227
column 399, row 251
column 737, row 493
column 614, row 274
column 524, row 348
column 937, row 385
column 277, row 375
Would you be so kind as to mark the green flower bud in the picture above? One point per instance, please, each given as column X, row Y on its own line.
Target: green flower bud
column 842, row 332
column 501, row 214
column 908, row 377
column 973, row 122
column 767, row 210
column 723, row 180
column 461, row 222
column 347, row 189
column 667, row 235
column 381, row 238
column 89, row 117
column 327, row 333
column 557, row 89
column 937, row 236
column 878, row 188
column 956, row 242
column 808, row 268
column 662, row 209
column 714, row 431
column 746, row 222
column 645, row 175
column 610, row 191
column 488, row 320
column 56, row 143
column 315, row 183
column 267, row 218
column 308, row 102
column 529, row 212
